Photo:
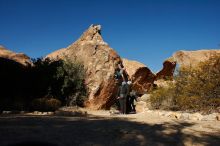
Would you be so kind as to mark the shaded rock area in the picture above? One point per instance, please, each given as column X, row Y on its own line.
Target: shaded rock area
column 167, row 72
column 13, row 77
column 141, row 76
column 100, row 62
column 193, row 58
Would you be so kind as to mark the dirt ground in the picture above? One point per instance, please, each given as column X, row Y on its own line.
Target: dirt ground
column 99, row 128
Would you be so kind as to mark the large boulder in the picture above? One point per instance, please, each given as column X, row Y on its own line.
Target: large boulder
column 18, row 57
column 168, row 69
column 100, row 62
column 141, row 76
column 193, row 58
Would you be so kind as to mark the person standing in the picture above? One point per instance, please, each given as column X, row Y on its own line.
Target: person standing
column 128, row 105
column 132, row 98
column 122, row 96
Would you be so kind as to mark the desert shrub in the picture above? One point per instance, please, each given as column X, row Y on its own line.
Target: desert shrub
column 63, row 79
column 195, row 88
column 45, row 104
column 71, row 78
column 162, row 97
column 42, row 77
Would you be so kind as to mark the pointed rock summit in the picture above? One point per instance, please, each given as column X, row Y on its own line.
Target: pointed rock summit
column 92, row 35
column 100, row 62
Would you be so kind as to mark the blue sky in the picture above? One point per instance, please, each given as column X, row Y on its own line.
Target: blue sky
column 148, row 31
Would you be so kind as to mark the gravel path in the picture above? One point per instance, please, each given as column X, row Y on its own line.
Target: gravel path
column 99, row 128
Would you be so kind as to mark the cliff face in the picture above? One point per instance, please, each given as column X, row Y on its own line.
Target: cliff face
column 141, row 76
column 99, row 61
column 193, row 58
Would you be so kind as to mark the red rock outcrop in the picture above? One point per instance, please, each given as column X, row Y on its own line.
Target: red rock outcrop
column 18, row 57
column 100, row 63
column 141, row 76
column 193, row 58
column 167, row 72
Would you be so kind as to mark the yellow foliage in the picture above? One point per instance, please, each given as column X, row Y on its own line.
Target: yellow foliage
column 195, row 88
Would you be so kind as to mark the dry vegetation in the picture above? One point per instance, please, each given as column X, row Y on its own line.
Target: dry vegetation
column 194, row 89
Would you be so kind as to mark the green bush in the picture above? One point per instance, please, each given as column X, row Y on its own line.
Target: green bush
column 196, row 89
column 71, row 78
column 63, row 79
column 45, row 104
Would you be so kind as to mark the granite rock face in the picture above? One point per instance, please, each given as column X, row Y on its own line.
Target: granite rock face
column 100, row 62
column 193, row 58
column 141, row 76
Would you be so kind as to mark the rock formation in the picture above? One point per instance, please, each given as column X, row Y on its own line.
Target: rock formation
column 13, row 76
column 18, row 57
column 167, row 72
column 99, row 61
column 193, row 58
column 141, row 76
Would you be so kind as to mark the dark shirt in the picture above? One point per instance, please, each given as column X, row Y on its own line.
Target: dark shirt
column 123, row 90
column 133, row 95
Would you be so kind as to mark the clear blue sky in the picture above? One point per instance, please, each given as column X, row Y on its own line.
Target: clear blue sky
column 148, row 31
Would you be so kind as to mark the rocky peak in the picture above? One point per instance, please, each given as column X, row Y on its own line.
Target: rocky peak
column 100, row 62
column 92, row 35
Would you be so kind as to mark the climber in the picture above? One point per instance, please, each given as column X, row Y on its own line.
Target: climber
column 119, row 72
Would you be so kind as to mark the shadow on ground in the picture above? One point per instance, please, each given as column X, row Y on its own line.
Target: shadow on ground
column 95, row 131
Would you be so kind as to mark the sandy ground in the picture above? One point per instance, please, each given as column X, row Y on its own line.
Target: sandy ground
column 99, row 128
